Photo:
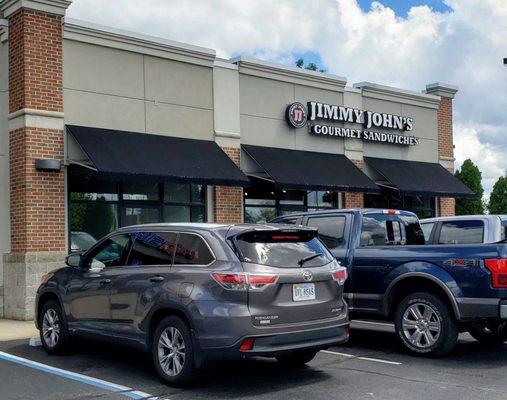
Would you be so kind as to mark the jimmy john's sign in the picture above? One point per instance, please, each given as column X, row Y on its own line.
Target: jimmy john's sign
column 319, row 116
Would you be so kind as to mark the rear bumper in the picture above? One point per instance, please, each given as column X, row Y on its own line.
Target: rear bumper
column 479, row 308
column 271, row 345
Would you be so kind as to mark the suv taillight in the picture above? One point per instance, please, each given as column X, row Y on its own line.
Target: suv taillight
column 498, row 269
column 242, row 281
column 340, row 275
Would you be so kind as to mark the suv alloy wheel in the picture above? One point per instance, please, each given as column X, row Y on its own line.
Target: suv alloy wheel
column 173, row 353
column 53, row 328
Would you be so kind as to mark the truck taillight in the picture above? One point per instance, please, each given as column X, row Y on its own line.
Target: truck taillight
column 498, row 269
column 340, row 275
column 242, row 281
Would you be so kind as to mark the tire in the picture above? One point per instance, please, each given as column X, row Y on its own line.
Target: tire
column 430, row 331
column 489, row 332
column 172, row 334
column 53, row 331
column 297, row 359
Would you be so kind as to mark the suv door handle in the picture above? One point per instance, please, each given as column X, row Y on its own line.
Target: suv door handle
column 105, row 281
column 157, row 279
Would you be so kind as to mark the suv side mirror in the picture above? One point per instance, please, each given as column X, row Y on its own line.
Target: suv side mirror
column 74, row 260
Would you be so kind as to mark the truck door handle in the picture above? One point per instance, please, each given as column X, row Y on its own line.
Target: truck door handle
column 105, row 281
column 157, row 279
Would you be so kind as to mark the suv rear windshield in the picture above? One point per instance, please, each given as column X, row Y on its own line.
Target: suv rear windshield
column 282, row 249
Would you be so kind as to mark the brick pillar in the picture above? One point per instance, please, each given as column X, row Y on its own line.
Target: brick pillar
column 229, row 200
column 354, row 199
column 446, row 206
column 37, row 198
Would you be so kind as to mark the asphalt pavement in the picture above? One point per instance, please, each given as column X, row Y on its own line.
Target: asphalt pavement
column 370, row 366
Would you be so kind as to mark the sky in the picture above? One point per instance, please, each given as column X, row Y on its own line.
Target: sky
column 402, row 43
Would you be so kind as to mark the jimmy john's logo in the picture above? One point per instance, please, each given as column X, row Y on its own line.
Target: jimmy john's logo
column 297, row 116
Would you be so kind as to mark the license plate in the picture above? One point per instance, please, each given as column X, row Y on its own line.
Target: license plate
column 303, row 291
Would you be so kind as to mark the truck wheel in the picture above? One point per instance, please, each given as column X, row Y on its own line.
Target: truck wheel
column 489, row 332
column 173, row 352
column 425, row 325
column 297, row 359
column 53, row 328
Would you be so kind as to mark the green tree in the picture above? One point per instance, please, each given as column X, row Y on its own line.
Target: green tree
column 300, row 63
column 498, row 199
column 471, row 176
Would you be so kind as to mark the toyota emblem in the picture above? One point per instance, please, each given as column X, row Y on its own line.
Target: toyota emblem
column 307, row 275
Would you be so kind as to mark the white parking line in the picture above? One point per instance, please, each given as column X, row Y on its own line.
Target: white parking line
column 379, row 360
column 361, row 358
column 105, row 385
column 336, row 353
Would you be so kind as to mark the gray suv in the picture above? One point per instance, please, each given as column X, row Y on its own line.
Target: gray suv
column 190, row 293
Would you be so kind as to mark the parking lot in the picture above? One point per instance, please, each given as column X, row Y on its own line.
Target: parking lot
column 370, row 366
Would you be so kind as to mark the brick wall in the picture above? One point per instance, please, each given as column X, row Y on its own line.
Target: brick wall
column 35, row 61
column 354, row 199
column 445, row 136
column 229, row 200
column 446, row 206
column 37, row 198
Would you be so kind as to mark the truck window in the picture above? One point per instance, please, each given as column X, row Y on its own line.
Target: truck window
column 503, row 233
column 384, row 230
column 462, row 232
column 427, row 228
column 331, row 230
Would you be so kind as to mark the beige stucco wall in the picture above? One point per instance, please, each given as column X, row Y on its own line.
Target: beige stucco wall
column 424, row 127
column 118, row 89
column 263, row 102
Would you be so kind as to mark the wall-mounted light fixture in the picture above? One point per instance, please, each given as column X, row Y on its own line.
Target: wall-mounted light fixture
column 48, row 165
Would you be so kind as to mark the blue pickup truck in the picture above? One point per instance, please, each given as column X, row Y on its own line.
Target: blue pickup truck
column 431, row 292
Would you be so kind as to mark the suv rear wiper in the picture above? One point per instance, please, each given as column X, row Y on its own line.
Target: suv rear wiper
column 308, row 258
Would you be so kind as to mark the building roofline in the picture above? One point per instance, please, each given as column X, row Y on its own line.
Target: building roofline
column 87, row 32
column 253, row 66
column 442, row 89
column 391, row 93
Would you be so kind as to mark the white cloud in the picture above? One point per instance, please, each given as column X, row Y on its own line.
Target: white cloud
column 464, row 47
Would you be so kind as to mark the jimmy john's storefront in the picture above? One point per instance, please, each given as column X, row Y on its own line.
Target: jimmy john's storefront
column 136, row 129
column 305, row 142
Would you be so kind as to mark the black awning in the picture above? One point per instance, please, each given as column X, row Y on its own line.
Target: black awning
column 128, row 155
column 415, row 178
column 307, row 170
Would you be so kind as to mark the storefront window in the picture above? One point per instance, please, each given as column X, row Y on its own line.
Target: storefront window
column 141, row 215
column 97, row 207
column 263, row 202
column 141, row 191
column 184, row 203
column 424, row 207
column 96, row 219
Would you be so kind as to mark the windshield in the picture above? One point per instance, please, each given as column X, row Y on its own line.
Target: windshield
column 81, row 241
column 284, row 250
